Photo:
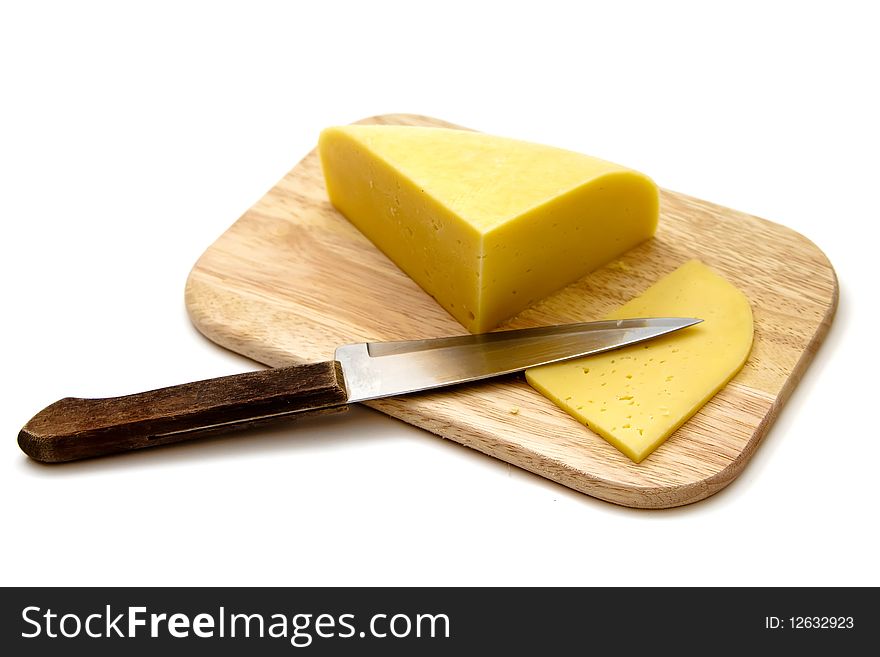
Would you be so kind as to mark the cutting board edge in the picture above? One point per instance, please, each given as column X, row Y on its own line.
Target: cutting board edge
column 636, row 497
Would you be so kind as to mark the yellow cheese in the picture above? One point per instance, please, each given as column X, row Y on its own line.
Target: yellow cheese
column 637, row 396
column 485, row 225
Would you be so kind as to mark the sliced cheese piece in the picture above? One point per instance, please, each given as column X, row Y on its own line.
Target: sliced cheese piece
column 637, row 396
column 485, row 225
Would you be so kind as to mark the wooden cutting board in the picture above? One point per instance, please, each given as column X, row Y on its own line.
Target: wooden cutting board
column 292, row 279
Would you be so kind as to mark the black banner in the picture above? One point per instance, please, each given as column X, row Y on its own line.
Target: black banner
column 431, row 621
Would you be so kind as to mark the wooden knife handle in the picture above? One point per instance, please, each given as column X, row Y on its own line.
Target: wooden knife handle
column 73, row 428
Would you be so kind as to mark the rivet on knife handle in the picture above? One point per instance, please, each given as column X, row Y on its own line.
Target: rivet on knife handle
column 73, row 428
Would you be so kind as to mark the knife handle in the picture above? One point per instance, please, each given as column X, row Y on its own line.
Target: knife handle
column 74, row 428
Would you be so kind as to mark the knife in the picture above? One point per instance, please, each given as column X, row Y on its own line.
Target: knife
column 74, row 428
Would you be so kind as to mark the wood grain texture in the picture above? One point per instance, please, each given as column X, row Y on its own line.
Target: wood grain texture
column 74, row 428
column 292, row 279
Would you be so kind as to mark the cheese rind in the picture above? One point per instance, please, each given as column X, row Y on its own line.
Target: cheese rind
column 486, row 225
column 636, row 397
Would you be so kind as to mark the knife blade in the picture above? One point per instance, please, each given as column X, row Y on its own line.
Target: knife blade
column 75, row 428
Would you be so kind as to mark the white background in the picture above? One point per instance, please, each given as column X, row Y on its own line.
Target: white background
column 133, row 134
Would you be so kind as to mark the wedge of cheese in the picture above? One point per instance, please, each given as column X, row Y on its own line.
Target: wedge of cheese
column 485, row 225
column 636, row 397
